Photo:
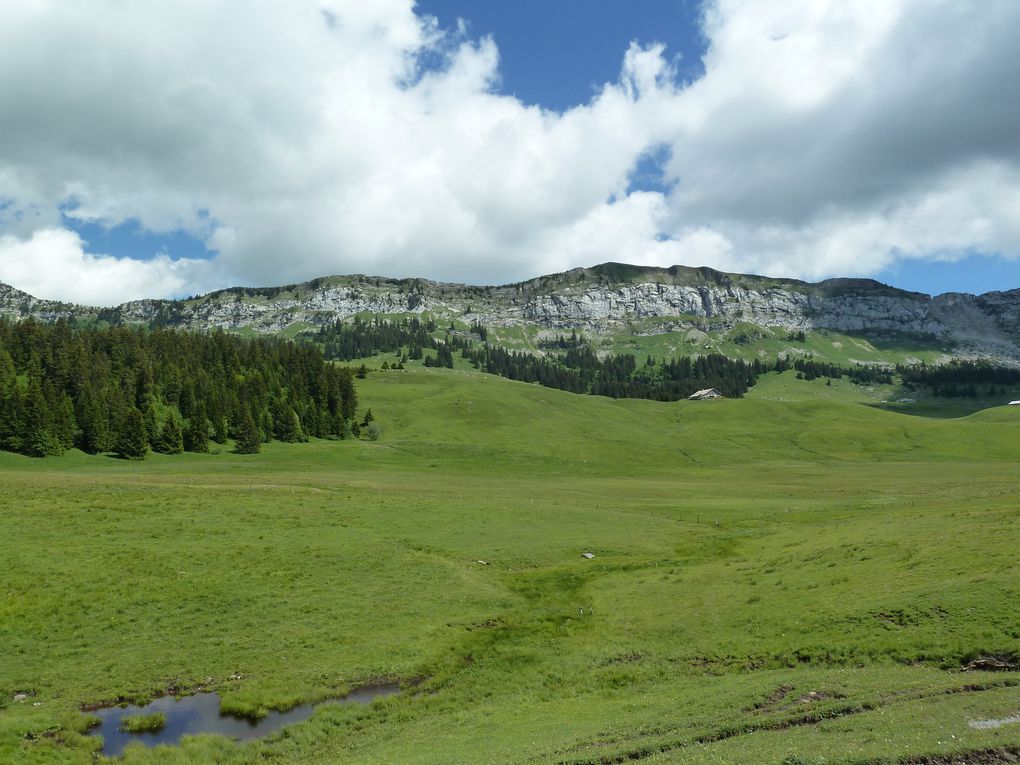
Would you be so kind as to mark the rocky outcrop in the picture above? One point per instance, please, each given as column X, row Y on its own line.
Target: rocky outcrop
column 600, row 308
column 1004, row 308
column 17, row 304
column 599, row 300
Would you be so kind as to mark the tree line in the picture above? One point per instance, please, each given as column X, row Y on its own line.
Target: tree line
column 128, row 390
column 861, row 374
column 960, row 378
column 571, row 364
column 361, row 338
column 581, row 370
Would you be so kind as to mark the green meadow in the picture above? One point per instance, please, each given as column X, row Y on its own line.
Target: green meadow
column 795, row 577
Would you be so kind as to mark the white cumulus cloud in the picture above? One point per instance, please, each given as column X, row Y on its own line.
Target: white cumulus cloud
column 300, row 139
column 53, row 262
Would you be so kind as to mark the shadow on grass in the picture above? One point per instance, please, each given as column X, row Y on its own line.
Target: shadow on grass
column 936, row 409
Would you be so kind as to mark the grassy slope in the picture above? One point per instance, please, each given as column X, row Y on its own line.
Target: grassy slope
column 748, row 342
column 748, row 553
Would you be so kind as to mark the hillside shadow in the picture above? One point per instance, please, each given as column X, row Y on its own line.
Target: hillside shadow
column 942, row 409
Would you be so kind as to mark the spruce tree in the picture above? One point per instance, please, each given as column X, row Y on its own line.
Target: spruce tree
column 10, row 405
column 131, row 442
column 219, row 429
column 37, row 440
column 265, row 422
column 196, row 437
column 151, row 424
column 94, row 421
column 279, row 412
column 63, row 422
column 286, row 423
column 346, row 430
column 292, row 433
column 249, row 440
column 171, row 439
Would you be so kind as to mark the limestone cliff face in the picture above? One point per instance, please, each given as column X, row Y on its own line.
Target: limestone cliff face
column 599, row 300
column 601, row 307
column 1004, row 308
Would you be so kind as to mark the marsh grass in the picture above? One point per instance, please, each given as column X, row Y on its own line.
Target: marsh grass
column 143, row 723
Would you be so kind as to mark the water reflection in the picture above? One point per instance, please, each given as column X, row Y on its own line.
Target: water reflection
column 200, row 713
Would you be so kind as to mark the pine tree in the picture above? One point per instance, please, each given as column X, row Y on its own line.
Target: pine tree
column 346, row 430
column 286, row 423
column 293, row 431
column 265, row 422
column 325, row 424
column 10, row 404
column 95, row 422
column 196, row 437
column 220, row 431
column 63, row 424
column 171, row 439
column 37, row 440
column 151, row 424
column 249, row 440
column 131, row 442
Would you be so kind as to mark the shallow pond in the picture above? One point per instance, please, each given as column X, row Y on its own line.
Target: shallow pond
column 200, row 713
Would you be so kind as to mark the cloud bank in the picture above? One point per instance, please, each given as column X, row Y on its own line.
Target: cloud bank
column 826, row 137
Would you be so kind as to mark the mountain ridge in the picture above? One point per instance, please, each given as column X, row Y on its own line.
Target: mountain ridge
column 602, row 299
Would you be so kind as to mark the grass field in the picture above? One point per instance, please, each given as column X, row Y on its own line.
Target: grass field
column 795, row 577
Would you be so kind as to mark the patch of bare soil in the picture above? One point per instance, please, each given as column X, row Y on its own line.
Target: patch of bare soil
column 771, row 701
column 994, row 662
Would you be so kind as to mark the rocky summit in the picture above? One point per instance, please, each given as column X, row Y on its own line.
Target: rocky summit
column 604, row 299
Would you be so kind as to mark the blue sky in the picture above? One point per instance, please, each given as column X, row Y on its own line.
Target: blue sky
column 558, row 52
column 974, row 273
column 131, row 239
column 791, row 138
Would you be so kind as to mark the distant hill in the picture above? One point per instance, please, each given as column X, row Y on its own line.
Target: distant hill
column 617, row 304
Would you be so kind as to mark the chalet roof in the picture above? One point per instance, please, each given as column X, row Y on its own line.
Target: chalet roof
column 705, row 393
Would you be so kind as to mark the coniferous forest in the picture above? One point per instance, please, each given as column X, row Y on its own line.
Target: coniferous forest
column 961, row 378
column 131, row 390
column 571, row 363
column 127, row 390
